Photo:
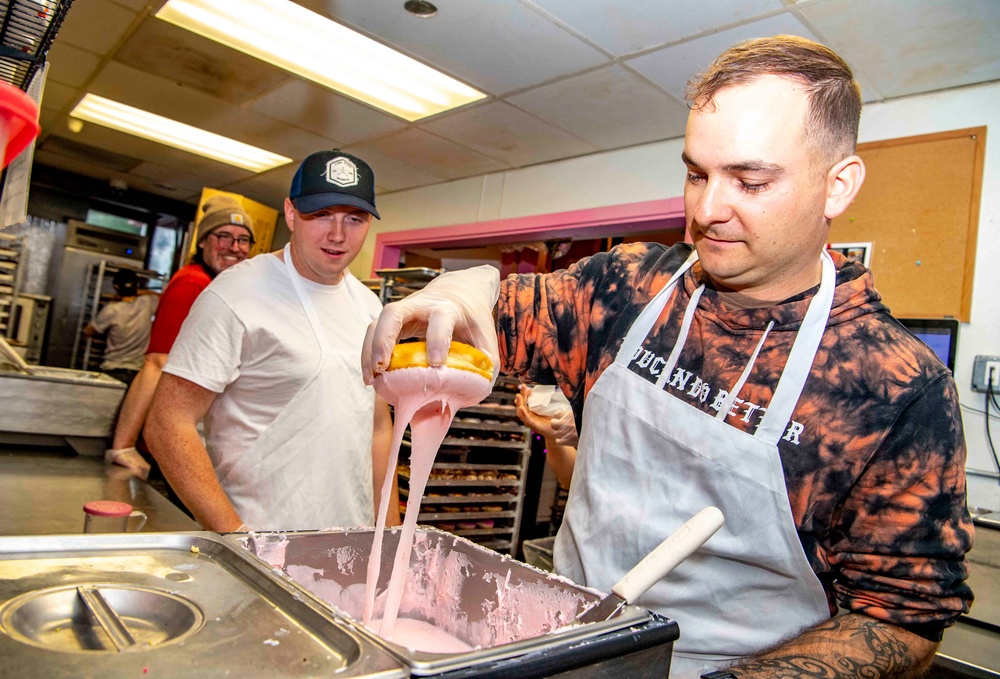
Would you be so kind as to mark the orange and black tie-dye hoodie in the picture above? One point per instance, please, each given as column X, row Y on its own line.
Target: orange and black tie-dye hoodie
column 874, row 457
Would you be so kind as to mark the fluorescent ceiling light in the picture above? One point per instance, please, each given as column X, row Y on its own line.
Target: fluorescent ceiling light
column 310, row 45
column 101, row 111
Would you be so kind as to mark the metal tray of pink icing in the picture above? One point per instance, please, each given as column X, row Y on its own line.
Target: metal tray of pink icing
column 166, row 605
column 501, row 608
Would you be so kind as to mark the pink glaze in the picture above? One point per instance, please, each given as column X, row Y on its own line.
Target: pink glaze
column 418, row 635
column 444, row 587
column 426, row 399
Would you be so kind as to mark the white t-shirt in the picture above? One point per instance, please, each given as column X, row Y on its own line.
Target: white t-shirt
column 248, row 339
column 127, row 325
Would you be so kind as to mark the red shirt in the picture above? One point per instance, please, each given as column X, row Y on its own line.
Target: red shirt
column 175, row 303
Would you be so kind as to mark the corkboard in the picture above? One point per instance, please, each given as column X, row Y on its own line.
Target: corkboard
column 264, row 220
column 919, row 207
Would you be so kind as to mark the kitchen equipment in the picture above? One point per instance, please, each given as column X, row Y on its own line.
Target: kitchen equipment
column 43, row 405
column 71, row 276
column 516, row 617
column 165, row 605
column 657, row 564
column 108, row 516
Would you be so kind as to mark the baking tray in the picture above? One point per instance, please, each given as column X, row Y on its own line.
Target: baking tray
column 192, row 605
column 478, row 595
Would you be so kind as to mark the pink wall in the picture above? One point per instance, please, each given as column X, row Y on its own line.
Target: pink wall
column 652, row 215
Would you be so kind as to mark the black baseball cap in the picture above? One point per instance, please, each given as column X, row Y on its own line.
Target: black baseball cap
column 329, row 178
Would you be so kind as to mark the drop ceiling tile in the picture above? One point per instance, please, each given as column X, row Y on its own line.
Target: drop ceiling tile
column 70, row 145
column 393, row 174
column 609, row 108
column 135, row 5
column 81, row 167
column 430, row 153
column 269, row 188
column 212, row 172
column 508, row 134
column 926, row 45
column 495, row 45
column 671, row 67
column 70, row 65
column 194, row 107
column 317, row 109
column 169, row 180
column 159, row 48
column 58, row 97
column 626, row 27
column 99, row 28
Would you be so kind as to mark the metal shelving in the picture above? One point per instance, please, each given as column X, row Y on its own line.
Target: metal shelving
column 12, row 252
column 88, row 352
column 27, row 29
column 395, row 284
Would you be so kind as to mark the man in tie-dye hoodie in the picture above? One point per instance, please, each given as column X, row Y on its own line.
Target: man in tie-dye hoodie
column 753, row 371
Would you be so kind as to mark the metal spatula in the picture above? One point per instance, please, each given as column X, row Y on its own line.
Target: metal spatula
column 655, row 565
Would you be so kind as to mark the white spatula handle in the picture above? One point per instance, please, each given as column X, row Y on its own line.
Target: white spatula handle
column 679, row 546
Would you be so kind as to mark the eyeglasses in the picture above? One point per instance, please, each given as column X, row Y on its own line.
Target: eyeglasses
column 226, row 240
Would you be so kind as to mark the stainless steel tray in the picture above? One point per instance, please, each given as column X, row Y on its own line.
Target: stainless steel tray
column 165, row 605
column 489, row 610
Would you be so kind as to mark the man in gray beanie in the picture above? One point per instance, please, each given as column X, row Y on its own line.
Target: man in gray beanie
column 270, row 358
column 225, row 236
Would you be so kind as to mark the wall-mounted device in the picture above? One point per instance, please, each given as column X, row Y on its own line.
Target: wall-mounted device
column 108, row 241
column 986, row 373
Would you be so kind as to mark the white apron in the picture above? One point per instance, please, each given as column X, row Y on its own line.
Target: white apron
column 312, row 467
column 649, row 461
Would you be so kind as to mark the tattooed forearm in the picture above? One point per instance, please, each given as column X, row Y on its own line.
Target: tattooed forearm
column 844, row 647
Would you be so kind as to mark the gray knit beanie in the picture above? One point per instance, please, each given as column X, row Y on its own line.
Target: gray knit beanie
column 219, row 211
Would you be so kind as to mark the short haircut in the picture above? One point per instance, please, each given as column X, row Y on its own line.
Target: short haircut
column 834, row 95
column 125, row 282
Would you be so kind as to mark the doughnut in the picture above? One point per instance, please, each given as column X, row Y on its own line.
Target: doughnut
column 460, row 356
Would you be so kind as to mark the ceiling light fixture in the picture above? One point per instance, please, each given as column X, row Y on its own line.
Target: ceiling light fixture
column 420, row 8
column 108, row 113
column 308, row 44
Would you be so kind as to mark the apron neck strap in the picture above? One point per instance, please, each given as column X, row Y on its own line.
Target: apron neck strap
column 306, row 302
column 647, row 318
column 801, row 357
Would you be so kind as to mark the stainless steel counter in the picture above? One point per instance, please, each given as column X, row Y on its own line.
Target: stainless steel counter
column 44, row 491
column 972, row 646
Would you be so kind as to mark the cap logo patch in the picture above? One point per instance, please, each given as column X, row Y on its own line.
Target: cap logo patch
column 342, row 172
column 236, row 218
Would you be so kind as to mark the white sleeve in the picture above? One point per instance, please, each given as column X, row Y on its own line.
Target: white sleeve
column 208, row 348
column 104, row 318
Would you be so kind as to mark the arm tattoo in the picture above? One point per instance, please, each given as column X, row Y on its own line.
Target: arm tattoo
column 847, row 646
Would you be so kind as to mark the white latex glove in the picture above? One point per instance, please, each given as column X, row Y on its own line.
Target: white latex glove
column 456, row 305
column 564, row 428
column 128, row 458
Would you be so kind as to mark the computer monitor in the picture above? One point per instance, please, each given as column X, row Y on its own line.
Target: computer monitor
column 940, row 334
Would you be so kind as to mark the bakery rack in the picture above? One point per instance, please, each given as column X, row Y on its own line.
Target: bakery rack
column 88, row 352
column 395, row 284
column 12, row 257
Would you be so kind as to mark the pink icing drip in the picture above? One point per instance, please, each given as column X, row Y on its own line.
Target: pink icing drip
column 426, row 399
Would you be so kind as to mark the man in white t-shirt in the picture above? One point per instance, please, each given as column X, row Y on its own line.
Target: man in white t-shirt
column 269, row 356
